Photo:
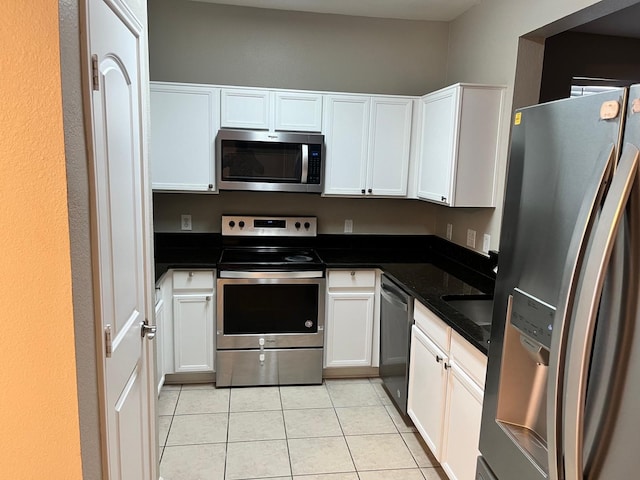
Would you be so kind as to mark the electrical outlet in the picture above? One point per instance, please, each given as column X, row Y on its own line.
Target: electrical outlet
column 486, row 243
column 449, row 231
column 348, row 226
column 471, row 238
column 185, row 222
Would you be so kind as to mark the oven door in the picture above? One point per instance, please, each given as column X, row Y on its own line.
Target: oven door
column 270, row 310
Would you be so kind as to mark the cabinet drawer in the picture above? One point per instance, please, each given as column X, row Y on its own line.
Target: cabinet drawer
column 352, row 278
column 193, row 279
column 468, row 358
column 432, row 326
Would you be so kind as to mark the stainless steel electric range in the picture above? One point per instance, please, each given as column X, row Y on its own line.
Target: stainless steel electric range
column 270, row 302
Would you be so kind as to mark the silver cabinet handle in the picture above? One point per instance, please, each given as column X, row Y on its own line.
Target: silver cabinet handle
column 190, row 274
column 208, row 298
column 587, row 306
column 577, row 248
column 353, row 274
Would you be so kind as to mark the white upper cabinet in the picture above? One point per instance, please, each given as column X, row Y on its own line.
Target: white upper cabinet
column 459, row 144
column 346, row 144
column 242, row 108
column 367, row 145
column 390, row 140
column 258, row 109
column 184, row 122
column 298, row 112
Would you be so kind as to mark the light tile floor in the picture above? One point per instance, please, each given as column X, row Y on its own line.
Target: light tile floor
column 341, row 430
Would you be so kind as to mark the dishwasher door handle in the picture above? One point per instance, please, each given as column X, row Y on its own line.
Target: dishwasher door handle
column 393, row 300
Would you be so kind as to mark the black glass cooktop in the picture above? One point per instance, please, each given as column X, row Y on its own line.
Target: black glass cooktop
column 269, row 256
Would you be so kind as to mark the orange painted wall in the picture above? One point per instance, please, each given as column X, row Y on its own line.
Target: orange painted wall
column 39, row 432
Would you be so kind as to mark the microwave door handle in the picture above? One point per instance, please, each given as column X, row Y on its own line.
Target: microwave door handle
column 558, row 352
column 305, row 163
column 587, row 306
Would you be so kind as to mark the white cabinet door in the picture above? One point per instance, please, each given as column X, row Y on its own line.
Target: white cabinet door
column 439, row 132
column 459, row 145
column 298, row 112
column 389, row 146
column 245, row 109
column 464, row 412
column 184, row 122
column 193, row 333
column 427, row 389
column 349, row 329
column 346, row 142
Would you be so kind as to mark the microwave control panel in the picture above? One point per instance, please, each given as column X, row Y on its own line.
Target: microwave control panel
column 315, row 164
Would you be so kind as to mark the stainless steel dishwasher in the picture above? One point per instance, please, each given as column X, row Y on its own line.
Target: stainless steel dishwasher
column 396, row 319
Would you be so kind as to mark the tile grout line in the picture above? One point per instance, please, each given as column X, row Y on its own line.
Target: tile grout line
column 284, row 426
column 170, row 424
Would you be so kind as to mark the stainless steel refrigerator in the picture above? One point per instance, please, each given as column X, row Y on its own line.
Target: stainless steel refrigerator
column 562, row 397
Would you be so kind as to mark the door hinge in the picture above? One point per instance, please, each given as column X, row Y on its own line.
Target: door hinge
column 107, row 341
column 95, row 81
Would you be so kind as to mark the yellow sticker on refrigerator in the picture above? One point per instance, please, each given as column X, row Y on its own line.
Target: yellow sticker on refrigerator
column 518, row 118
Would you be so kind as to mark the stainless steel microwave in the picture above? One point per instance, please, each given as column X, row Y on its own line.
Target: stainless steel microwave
column 269, row 161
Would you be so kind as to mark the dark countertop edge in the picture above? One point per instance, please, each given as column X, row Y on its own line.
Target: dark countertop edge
column 464, row 264
column 161, row 268
column 446, row 313
column 437, row 306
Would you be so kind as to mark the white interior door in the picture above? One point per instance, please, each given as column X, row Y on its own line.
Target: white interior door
column 115, row 45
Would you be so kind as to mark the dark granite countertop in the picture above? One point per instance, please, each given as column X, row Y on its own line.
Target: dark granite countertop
column 427, row 278
column 426, row 267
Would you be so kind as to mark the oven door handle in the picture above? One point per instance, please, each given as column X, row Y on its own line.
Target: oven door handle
column 288, row 274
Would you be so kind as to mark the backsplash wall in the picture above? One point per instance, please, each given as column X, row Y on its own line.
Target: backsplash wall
column 369, row 215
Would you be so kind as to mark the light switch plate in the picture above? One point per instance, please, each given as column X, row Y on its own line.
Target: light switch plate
column 449, row 231
column 348, row 226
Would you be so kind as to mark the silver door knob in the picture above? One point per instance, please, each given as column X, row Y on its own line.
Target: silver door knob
column 149, row 331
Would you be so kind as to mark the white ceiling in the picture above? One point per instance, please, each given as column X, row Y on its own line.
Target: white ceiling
column 436, row 10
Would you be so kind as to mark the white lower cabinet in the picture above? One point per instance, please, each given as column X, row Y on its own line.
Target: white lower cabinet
column 464, row 412
column 163, row 342
column 446, row 382
column 427, row 389
column 350, row 322
column 193, row 321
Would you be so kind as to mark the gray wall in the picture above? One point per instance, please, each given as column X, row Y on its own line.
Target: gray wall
column 486, row 46
column 369, row 215
column 208, row 43
column 199, row 42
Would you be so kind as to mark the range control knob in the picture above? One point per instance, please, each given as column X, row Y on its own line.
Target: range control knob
column 297, row 224
column 307, row 225
column 241, row 224
column 232, row 223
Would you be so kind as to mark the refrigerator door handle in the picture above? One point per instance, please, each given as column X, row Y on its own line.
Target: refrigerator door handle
column 579, row 242
column 586, row 311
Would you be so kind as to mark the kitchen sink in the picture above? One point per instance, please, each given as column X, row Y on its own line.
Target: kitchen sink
column 477, row 308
